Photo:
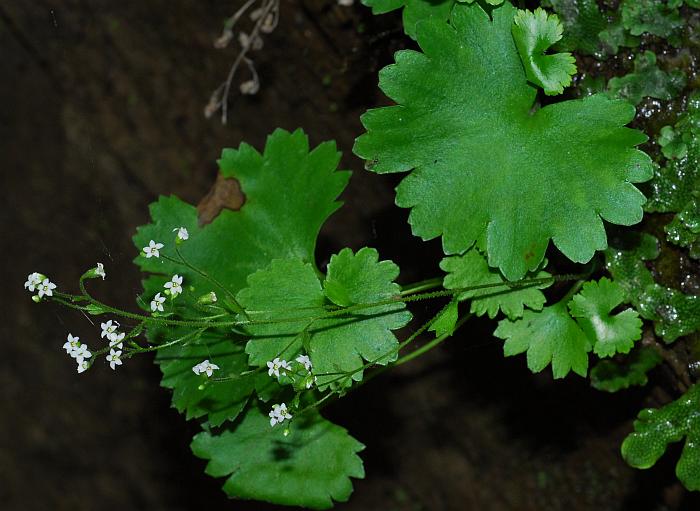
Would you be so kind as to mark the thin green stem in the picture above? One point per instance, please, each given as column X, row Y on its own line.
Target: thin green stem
column 427, row 346
column 208, row 277
column 421, row 286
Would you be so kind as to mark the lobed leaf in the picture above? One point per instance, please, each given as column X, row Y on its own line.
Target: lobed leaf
column 414, row 11
column 310, row 467
column 534, row 33
column 289, row 190
column 592, row 308
column 472, row 269
column 549, row 336
column 655, row 429
column 465, row 126
column 340, row 345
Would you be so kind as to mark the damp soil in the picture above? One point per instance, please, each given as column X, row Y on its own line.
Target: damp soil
column 100, row 112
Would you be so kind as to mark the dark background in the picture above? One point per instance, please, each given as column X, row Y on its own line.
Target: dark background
column 100, row 112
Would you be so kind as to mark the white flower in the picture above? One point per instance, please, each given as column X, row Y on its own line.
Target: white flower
column 174, row 285
column 212, row 297
column 113, row 358
column 310, row 380
column 305, row 361
column 81, row 353
column 157, row 303
column 33, row 281
column 71, row 344
column 275, row 365
column 205, row 367
column 182, row 234
column 115, row 340
column 108, row 328
column 152, row 250
column 279, row 414
column 46, row 288
column 82, row 366
column 100, row 271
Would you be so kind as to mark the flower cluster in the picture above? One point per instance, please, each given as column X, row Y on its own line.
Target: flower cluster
column 116, row 342
column 78, row 351
column 41, row 284
column 205, row 367
column 300, row 376
column 279, row 414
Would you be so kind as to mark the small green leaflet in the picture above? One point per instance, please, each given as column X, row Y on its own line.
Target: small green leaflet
column 472, row 269
column 482, row 162
column 647, row 80
column 654, row 429
column 446, row 321
column 233, row 245
column 550, row 336
column 592, row 308
column 339, row 344
column 612, row 375
column 534, row 32
column 413, row 10
column 311, row 467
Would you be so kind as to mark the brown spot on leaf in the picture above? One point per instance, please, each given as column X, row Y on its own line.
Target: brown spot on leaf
column 225, row 193
column 529, row 255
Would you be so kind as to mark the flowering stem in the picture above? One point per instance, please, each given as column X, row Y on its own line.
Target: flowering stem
column 207, row 277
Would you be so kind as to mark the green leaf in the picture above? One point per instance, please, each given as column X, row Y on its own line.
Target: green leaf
column 446, row 321
column 549, row 337
column 592, row 308
column 684, row 229
column 583, row 21
column 534, row 33
column 339, row 344
column 612, row 376
column 654, row 429
column 472, row 269
column 268, row 226
column 311, row 467
column 465, row 126
column 650, row 16
column 647, row 80
column 674, row 314
column 233, row 245
column 674, row 185
column 196, row 397
column 672, row 143
column 413, row 10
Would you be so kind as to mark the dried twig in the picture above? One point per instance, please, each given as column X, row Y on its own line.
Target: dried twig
column 266, row 18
